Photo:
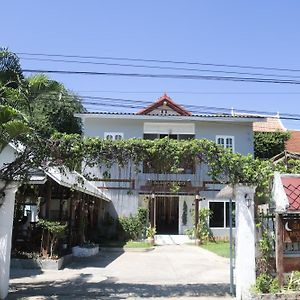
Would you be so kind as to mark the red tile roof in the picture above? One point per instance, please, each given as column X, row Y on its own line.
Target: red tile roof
column 293, row 144
column 272, row 124
column 291, row 187
column 169, row 102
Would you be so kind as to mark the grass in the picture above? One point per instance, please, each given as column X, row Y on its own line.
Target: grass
column 134, row 244
column 129, row 244
column 220, row 248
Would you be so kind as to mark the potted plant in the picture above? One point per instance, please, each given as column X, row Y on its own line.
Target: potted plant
column 151, row 231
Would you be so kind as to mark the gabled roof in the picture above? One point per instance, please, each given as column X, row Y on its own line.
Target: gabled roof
column 271, row 124
column 286, row 193
column 165, row 100
column 291, row 187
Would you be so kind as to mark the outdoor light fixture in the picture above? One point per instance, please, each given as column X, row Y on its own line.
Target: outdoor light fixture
column 152, row 196
column 248, row 200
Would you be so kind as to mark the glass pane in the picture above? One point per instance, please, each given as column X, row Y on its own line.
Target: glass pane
column 228, row 214
column 229, row 143
column 186, row 136
column 109, row 137
column 173, row 136
column 220, row 141
column 118, row 137
column 150, row 136
column 217, row 214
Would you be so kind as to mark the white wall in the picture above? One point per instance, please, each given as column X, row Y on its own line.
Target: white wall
column 6, row 224
column 190, row 209
column 7, row 155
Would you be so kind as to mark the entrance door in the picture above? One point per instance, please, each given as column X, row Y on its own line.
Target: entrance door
column 167, row 212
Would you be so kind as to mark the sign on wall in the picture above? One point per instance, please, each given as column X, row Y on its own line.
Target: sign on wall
column 291, row 232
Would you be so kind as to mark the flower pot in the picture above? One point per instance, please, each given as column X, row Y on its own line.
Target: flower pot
column 151, row 240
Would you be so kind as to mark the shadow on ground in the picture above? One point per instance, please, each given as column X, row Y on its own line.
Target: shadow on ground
column 102, row 260
column 80, row 288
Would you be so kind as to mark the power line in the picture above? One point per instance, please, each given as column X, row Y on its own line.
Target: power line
column 192, row 108
column 159, row 67
column 187, row 92
column 168, row 76
column 161, row 61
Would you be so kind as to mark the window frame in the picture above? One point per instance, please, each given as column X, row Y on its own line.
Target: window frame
column 225, row 144
column 224, row 213
column 113, row 134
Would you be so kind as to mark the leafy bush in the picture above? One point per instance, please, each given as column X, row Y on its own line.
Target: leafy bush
column 134, row 227
column 55, row 231
column 202, row 231
column 294, row 282
column 268, row 144
column 151, row 231
column 265, row 284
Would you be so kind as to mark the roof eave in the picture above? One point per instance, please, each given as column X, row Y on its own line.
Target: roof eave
column 171, row 117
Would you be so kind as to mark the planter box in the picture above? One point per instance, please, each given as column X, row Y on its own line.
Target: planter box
column 85, row 251
column 41, row 264
column 279, row 296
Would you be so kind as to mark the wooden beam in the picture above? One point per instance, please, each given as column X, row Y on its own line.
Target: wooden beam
column 279, row 248
column 196, row 212
column 48, row 197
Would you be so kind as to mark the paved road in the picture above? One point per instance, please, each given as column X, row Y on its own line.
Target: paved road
column 173, row 272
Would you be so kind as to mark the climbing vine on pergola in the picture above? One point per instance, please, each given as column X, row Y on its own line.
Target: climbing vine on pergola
column 165, row 154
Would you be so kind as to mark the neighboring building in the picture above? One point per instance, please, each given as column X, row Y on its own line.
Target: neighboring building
column 165, row 118
column 293, row 144
column 286, row 205
column 271, row 124
column 274, row 124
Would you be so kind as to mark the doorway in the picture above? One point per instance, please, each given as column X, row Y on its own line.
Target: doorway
column 167, row 215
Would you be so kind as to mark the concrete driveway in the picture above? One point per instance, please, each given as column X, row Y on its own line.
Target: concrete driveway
column 175, row 271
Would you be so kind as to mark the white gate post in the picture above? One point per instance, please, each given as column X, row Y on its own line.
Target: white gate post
column 6, row 224
column 245, row 240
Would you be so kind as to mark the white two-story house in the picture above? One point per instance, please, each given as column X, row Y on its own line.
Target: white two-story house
column 171, row 212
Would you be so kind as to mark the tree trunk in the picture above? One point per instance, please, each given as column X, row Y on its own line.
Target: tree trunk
column 6, row 225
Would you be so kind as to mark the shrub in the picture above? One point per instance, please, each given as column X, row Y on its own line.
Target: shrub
column 55, row 231
column 202, row 231
column 294, row 282
column 151, row 231
column 265, row 284
column 134, row 227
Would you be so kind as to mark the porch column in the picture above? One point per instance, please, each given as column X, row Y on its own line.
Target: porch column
column 245, row 240
column 279, row 248
column 196, row 210
column 6, row 224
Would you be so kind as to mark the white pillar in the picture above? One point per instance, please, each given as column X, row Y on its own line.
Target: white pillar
column 6, row 224
column 245, row 240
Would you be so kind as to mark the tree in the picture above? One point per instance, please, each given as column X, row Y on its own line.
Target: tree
column 48, row 105
column 10, row 68
column 12, row 125
column 269, row 144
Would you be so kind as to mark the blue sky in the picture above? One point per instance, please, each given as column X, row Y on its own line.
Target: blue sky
column 260, row 33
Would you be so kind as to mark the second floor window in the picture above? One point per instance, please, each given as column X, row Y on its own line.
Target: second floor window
column 113, row 136
column 225, row 141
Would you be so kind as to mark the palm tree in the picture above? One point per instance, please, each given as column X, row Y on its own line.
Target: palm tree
column 10, row 68
column 12, row 125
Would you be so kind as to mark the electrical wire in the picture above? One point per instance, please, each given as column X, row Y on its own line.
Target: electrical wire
column 168, row 76
column 161, row 61
column 158, row 67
